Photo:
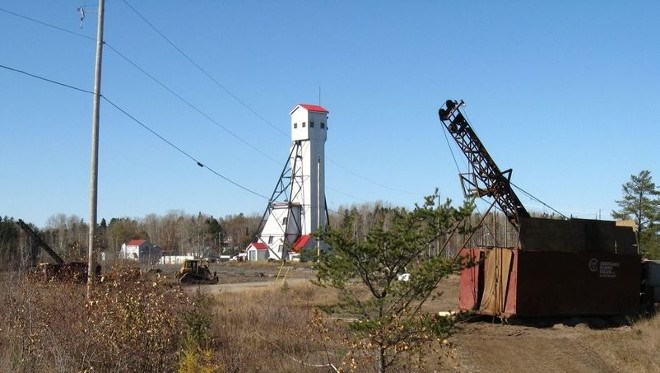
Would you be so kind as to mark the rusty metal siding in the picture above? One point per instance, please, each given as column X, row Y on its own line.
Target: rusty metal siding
column 546, row 283
column 468, row 292
column 472, row 283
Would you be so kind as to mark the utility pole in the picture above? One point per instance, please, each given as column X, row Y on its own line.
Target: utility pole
column 93, row 190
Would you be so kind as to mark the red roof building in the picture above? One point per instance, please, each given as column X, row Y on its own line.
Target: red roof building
column 259, row 245
column 142, row 251
column 302, row 242
column 315, row 108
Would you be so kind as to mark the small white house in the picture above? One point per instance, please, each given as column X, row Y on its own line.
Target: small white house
column 257, row 251
column 141, row 251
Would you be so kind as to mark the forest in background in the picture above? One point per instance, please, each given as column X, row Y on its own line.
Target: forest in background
column 178, row 232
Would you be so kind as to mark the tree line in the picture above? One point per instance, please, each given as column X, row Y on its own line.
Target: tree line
column 177, row 232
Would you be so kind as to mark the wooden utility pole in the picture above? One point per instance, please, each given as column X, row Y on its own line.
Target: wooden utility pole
column 93, row 190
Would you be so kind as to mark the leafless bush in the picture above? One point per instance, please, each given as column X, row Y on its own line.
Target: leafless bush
column 142, row 325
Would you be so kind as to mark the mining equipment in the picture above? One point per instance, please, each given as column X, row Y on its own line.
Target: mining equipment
column 61, row 269
column 650, row 285
column 556, row 267
column 196, row 271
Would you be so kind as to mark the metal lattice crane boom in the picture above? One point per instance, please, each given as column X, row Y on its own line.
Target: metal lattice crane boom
column 40, row 242
column 493, row 182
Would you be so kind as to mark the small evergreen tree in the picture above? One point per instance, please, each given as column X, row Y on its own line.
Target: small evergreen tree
column 365, row 262
column 641, row 203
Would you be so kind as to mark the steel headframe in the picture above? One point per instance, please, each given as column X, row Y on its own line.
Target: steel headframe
column 284, row 187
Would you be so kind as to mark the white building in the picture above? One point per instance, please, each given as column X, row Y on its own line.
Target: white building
column 141, row 251
column 298, row 207
column 257, row 251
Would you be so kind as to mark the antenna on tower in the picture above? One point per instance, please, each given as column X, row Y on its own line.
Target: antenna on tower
column 319, row 95
column 82, row 10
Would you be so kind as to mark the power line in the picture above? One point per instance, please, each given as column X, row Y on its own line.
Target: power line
column 46, row 79
column 47, row 24
column 200, row 164
column 345, row 194
column 143, row 71
column 371, row 181
column 171, row 144
column 537, row 200
column 510, row 182
column 189, row 104
column 206, row 73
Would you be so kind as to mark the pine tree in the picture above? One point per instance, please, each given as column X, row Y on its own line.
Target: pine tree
column 641, row 203
column 365, row 262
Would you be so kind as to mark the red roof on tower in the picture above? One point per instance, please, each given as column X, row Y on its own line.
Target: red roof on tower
column 316, row 108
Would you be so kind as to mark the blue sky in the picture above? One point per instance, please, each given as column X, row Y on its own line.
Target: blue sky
column 566, row 93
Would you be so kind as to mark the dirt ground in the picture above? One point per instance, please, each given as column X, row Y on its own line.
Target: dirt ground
column 490, row 345
column 487, row 344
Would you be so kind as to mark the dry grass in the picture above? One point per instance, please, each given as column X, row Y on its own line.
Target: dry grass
column 277, row 329
column 638, row 351
column 281, row 329
column 153, row 325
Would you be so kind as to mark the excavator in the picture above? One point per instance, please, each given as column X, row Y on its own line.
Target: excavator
column 60, row 270
column 488, row 180
column 556, row 266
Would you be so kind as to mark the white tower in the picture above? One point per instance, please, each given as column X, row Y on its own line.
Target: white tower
column 309, row 126
column 287, row 224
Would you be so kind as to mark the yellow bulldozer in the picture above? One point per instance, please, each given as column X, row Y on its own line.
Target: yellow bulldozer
column 196, row 271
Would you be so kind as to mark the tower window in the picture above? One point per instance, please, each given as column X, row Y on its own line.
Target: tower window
column 304, row 124
column 311, row 124
column 284, row 221
column 270, row 240
column 322, row 125
column 295, row 125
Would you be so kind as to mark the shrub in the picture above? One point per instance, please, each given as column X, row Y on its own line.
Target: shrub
column 134, row 325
